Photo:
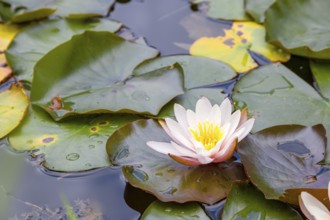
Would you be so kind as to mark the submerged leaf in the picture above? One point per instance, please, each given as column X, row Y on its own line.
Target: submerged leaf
column 300, row 26
column 233, row 48
column 283, row 159
column 73, row 145
column 277, row 96
column 160, row 175
column 13, row 106
column 246, row 202
column 35, row 41
column 168, row 211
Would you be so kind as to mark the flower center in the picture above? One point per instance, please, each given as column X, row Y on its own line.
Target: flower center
column 207, row 134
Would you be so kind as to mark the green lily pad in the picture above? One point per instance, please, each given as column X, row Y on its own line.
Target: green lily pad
column 158, row 174
column 13, row 106
column 198, row 71
column 82, row 9
column 18, row 11
column 190, row 97
column 169, row 211
column 200, row 74
column 102, row 74
column 321, row 73
column 35, row 41
column 225, row 9
column 257, row 9
column 300, row 26
column 285, row 158
column 246, row 202
column 77, row 144
column 277, row 96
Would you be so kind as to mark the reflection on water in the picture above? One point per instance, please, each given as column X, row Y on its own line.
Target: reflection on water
column 28, row 186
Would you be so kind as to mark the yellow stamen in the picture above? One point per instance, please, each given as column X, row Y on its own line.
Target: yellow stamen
column 207, row 134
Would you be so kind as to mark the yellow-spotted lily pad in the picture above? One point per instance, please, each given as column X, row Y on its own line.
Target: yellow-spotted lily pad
column 13, row 106
column 7, row 33
column 233, row 48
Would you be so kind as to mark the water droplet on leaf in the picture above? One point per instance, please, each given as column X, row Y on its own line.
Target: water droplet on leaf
column 72, row 156
column 140, row 96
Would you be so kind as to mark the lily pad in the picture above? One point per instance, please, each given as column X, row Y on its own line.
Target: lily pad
column 196, row 84
column 77, row 144
column 321, row 73
column 7, row 33
column 257, row 8
column 198, row 71
column 246, row 202
column 285, row 158
column 82, row 9
column 5, row 73
column 158, row 174
column 168, row 211
column 13, row 107
column 233, row 48
column 277, row 96
column 18, row 11
column 35, row 41
column 190, row 97
column 225, row 9
column 102, row 74
column 300, row 26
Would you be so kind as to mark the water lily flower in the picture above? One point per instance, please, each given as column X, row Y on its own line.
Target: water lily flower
column 313, row 208
column 208, row 135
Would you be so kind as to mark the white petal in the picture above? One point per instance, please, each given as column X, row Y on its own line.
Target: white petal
column 329, row 190
column 245, row 129
column 167, row 130
column 225, row 108
column 185, row 160
column 204, row 159
column 191, row 117
column 227, row 151
column 164, row 148
column 313, row 207
column 181, row 115
column 184, row 151
column 215, row 115
column 234, row 120
column 179, row 134
column 203, row 108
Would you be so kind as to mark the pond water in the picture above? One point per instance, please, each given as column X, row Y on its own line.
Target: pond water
column 25, row 187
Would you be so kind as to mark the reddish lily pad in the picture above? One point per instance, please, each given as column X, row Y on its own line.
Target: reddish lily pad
column 233, row 48
column 13, row 106
column 284, row 160
column 158, row 174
